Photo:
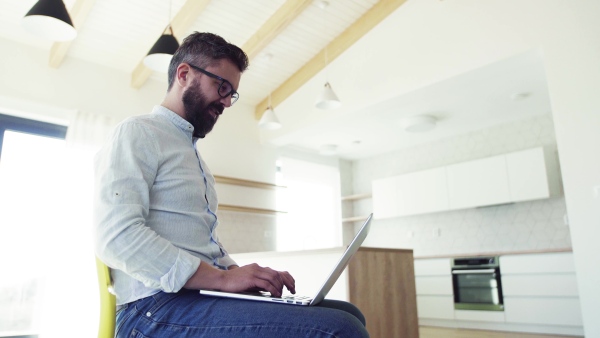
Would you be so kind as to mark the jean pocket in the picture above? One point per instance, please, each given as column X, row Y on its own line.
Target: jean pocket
column 137, row 334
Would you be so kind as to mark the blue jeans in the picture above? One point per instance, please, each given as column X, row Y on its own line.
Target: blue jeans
column 190, row 314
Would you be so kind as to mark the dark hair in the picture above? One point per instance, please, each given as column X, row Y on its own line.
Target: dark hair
column 202, row 50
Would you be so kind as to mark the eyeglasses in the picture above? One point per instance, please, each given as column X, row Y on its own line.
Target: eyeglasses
column 225, row 88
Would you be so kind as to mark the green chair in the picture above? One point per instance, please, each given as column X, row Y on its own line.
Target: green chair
column 108, row 302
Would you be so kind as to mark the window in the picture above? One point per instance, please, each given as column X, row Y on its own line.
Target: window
column 31, row 174
column 312, row 202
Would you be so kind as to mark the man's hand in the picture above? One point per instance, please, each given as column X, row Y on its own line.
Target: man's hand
column 255, row 277
column 246, row 278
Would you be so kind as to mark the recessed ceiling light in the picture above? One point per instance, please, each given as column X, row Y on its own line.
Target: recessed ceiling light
column 328, row 149
column 418, row 123
column 520, row 96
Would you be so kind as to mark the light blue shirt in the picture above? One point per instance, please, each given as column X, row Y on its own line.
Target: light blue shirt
column 155, row 206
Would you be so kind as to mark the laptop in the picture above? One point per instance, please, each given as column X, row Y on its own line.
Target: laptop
column 304, row 300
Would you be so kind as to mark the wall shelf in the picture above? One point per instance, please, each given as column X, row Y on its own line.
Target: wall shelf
column 246, row 183
column 354, row 219
column 356, row 197
column 227, row 207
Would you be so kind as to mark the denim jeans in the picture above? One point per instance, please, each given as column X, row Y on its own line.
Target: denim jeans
column 190, row 314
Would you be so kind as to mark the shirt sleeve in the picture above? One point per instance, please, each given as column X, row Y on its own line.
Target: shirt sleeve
column 125, row 171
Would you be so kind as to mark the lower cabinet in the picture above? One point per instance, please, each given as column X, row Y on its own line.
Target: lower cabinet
column 540, row 296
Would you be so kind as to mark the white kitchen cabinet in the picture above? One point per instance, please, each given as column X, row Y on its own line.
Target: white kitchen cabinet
column 541, row 289
column 384, row 197
column 514, row 177
column 411, row 194
column 478, row 183
column 435, row 307
column 527, row 175
column 433, row 282
column 546, row 311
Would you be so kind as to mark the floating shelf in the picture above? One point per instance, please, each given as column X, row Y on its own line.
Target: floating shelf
column 227, row 207
column 354, row 219
column 246, row 183
column 356, row 197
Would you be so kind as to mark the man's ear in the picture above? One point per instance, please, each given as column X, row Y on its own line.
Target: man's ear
column 182, row 75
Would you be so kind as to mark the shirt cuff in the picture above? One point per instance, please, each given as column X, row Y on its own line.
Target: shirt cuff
column 226, row 261
column 183, row 269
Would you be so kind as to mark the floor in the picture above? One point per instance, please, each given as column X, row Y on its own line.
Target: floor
column 437, row 332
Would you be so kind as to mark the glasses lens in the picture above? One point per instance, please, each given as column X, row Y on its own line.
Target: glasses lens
column 234, row 97
column 225, row 89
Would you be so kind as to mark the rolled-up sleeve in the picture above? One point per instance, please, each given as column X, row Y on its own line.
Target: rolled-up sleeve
column 126, row 169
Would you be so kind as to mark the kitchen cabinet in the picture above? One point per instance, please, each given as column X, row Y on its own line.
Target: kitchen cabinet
column 541, row 289
column 540, row 296
column 415, row 193
column 513, row 177
column 527, row 175
column 433, row 281
column 478, row 183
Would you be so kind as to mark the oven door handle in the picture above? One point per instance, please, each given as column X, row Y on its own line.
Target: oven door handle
column 462, row 272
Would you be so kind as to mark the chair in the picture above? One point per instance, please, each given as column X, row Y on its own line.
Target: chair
column 108, row 302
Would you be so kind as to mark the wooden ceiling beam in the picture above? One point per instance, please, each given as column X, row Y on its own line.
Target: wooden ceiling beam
column 334, row 49
column 274, row 26
column 78, row 13
column 182, row 21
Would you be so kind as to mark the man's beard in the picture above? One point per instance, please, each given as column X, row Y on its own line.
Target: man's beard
column 198, row 112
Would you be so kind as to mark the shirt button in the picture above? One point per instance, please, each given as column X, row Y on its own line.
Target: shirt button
column 148, row 314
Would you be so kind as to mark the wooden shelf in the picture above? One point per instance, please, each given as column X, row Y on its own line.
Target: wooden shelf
column 354, row 219
column 227, row 207
column 356, row 197
column 246, row 183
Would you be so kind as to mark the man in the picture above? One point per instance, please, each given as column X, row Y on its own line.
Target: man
column 155, row 219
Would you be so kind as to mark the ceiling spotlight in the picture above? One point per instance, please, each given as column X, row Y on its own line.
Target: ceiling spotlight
column 418, row 123
column 49, row 19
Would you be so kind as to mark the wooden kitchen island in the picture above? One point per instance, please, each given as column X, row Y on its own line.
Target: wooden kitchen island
column 382, row 286
column 380, row 282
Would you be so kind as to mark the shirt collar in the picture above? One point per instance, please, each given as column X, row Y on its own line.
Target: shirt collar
column 177, row 120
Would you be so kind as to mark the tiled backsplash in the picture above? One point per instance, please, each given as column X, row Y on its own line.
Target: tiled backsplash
column 246, row 232
column 533, row 225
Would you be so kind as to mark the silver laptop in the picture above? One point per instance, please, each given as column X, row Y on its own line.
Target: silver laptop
column 304, row 300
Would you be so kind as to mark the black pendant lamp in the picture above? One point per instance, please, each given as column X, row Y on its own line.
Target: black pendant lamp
column 160, row 54
column 49, row 19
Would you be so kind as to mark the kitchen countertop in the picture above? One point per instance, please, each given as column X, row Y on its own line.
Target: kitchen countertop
column 496, row 253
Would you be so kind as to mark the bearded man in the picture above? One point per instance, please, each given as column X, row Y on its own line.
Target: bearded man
column 155, row 219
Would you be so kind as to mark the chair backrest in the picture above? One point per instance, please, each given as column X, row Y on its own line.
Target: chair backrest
column 108, row 302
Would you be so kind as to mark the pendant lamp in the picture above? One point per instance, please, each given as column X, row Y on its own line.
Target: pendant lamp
column 161, row 53
column 327, row 99
column 269, row 120
column 50, row 20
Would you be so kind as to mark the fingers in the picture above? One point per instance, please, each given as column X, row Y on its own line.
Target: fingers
column 254, row 276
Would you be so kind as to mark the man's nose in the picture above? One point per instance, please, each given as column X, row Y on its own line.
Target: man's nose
column 226, row 101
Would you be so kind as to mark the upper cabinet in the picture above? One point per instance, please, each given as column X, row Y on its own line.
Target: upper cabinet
column 513, row 177
column 478, row 183
column 528, row 179
column 395, row 196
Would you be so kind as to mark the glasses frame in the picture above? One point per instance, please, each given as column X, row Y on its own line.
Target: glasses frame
column 234, row 95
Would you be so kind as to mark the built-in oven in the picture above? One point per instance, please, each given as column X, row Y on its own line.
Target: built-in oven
column 477, row 284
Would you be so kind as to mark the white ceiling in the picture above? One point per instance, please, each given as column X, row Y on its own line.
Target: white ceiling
column 468, row 102
column 117, row 34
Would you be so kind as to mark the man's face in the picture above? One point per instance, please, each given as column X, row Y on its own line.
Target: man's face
column 199, row 112
column 201, row 100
